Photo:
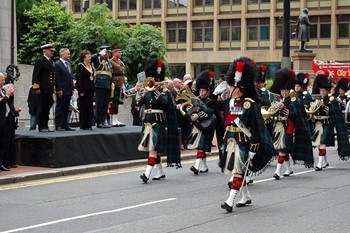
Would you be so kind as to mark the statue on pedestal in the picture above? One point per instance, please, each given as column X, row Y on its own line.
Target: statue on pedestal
column 303, row 29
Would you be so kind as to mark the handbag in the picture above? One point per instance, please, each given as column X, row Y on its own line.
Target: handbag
column 74, row 119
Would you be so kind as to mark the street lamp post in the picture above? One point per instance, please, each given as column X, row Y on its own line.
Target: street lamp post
column 286, row 61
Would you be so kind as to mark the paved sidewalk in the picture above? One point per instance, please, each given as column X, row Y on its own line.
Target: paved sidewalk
column 28, row 173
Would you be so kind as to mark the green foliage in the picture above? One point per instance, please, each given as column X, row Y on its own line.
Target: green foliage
column 45, row 23
column 145, row 41
column 21, row 7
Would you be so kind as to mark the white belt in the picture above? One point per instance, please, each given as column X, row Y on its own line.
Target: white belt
column 321, row 117
column 149, row 111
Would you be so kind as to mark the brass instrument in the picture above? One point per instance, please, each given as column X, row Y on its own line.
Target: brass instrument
column 184, row 97
column 314, row 107
column 150, row 84
column 269, row 112
column 131, row 92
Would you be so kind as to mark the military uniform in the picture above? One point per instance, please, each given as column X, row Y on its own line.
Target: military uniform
column 291, row 129
column 159, row 114
column 103, row 77
column 44, row 80
column 327, row 117
column 248, row 145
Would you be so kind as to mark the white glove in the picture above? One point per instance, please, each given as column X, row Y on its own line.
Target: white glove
column 221, row 88
column 251, row 154
column 103, row 52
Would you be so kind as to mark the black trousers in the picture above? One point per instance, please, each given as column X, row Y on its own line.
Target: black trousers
column 85, row 107
column 101, row 105
column 61, row 111
column 44, row 102
column 3, row 137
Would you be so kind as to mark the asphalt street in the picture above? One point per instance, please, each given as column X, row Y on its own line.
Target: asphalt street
column 117, row 201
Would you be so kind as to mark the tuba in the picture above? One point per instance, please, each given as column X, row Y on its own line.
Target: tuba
column 184, row 97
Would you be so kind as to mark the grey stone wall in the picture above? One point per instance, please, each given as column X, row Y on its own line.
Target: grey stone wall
column 5, row 35
column 21, row 95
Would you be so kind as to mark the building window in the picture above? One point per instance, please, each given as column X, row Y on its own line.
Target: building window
column 177, row 3
column 343, row 26
column 203, row 31
column 125, row 5
column 320, row 27
column 176, row 32
column 203, row 3
column 230, row 2
column 258, row 1
column 152, row 4
column 230, row 30
column 279, row 31
column 258, row 29
column 109, row 3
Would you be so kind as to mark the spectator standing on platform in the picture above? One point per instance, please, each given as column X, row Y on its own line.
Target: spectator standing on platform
column 119, row 82
column 43, row 82
column 136, row 111
column 177, row 86
column 64, row 90
column 103, row 69
column 159, row 114
column 12, row 124
column 32, row 109
column 85, row 87
column 187, row 77
column 4, row 111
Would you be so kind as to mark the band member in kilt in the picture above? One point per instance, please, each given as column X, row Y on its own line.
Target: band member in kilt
column 328, row 116
column 264, row 94
column 248, row 145
column 118, row 80
column 301, row 83
column 159, row 114
column 291, row 128
column 201, row 138
column 342, row 87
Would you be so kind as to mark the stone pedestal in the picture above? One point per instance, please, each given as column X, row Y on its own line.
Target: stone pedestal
column 302, row 62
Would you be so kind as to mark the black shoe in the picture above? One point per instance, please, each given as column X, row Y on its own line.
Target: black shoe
column 195, row 170
column 60, row 129
column 103, row 126
column 326, row 165
column 277, row 177
column 204, row 171
column 144, row 178
column 4, row 169
column 244, row 204
column 69, row 129
column 318, row 169
column 250, row 181
column 229, row 184
column 158, row 178
column 45, row 130
column 226, row 207
column 13, row 166
column 118, row 125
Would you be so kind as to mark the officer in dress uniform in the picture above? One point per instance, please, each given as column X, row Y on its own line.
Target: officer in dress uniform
column 291, row 128
column 43, row 82
column 103, row 70
column 327, row 117
column 248, row 145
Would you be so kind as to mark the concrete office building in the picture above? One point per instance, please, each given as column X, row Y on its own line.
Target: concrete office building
column 203, row 34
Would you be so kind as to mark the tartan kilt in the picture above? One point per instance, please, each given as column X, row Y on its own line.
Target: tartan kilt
column 206, row 141
column 327, row 136
column 159, row 136
column 116, row 98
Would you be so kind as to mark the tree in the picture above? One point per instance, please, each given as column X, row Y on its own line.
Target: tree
column 21, row 7
column 144, row 42
column 45, row 23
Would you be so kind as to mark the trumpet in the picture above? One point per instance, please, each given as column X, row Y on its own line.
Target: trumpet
column 150, row 84
column 131, row 92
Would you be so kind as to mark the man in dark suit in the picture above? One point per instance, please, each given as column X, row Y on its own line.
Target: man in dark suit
column 43, row 81
column 64, row 90
column 4, row 111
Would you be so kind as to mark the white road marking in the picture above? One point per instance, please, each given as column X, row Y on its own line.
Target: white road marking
column 87, row 215
column 294, row 174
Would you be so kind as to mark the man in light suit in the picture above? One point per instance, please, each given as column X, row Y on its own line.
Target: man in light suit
column 64, row 90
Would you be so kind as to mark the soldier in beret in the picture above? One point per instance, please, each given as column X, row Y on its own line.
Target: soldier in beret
column 43, row 82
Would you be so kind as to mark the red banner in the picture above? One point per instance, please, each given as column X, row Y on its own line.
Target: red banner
column 334, row 70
